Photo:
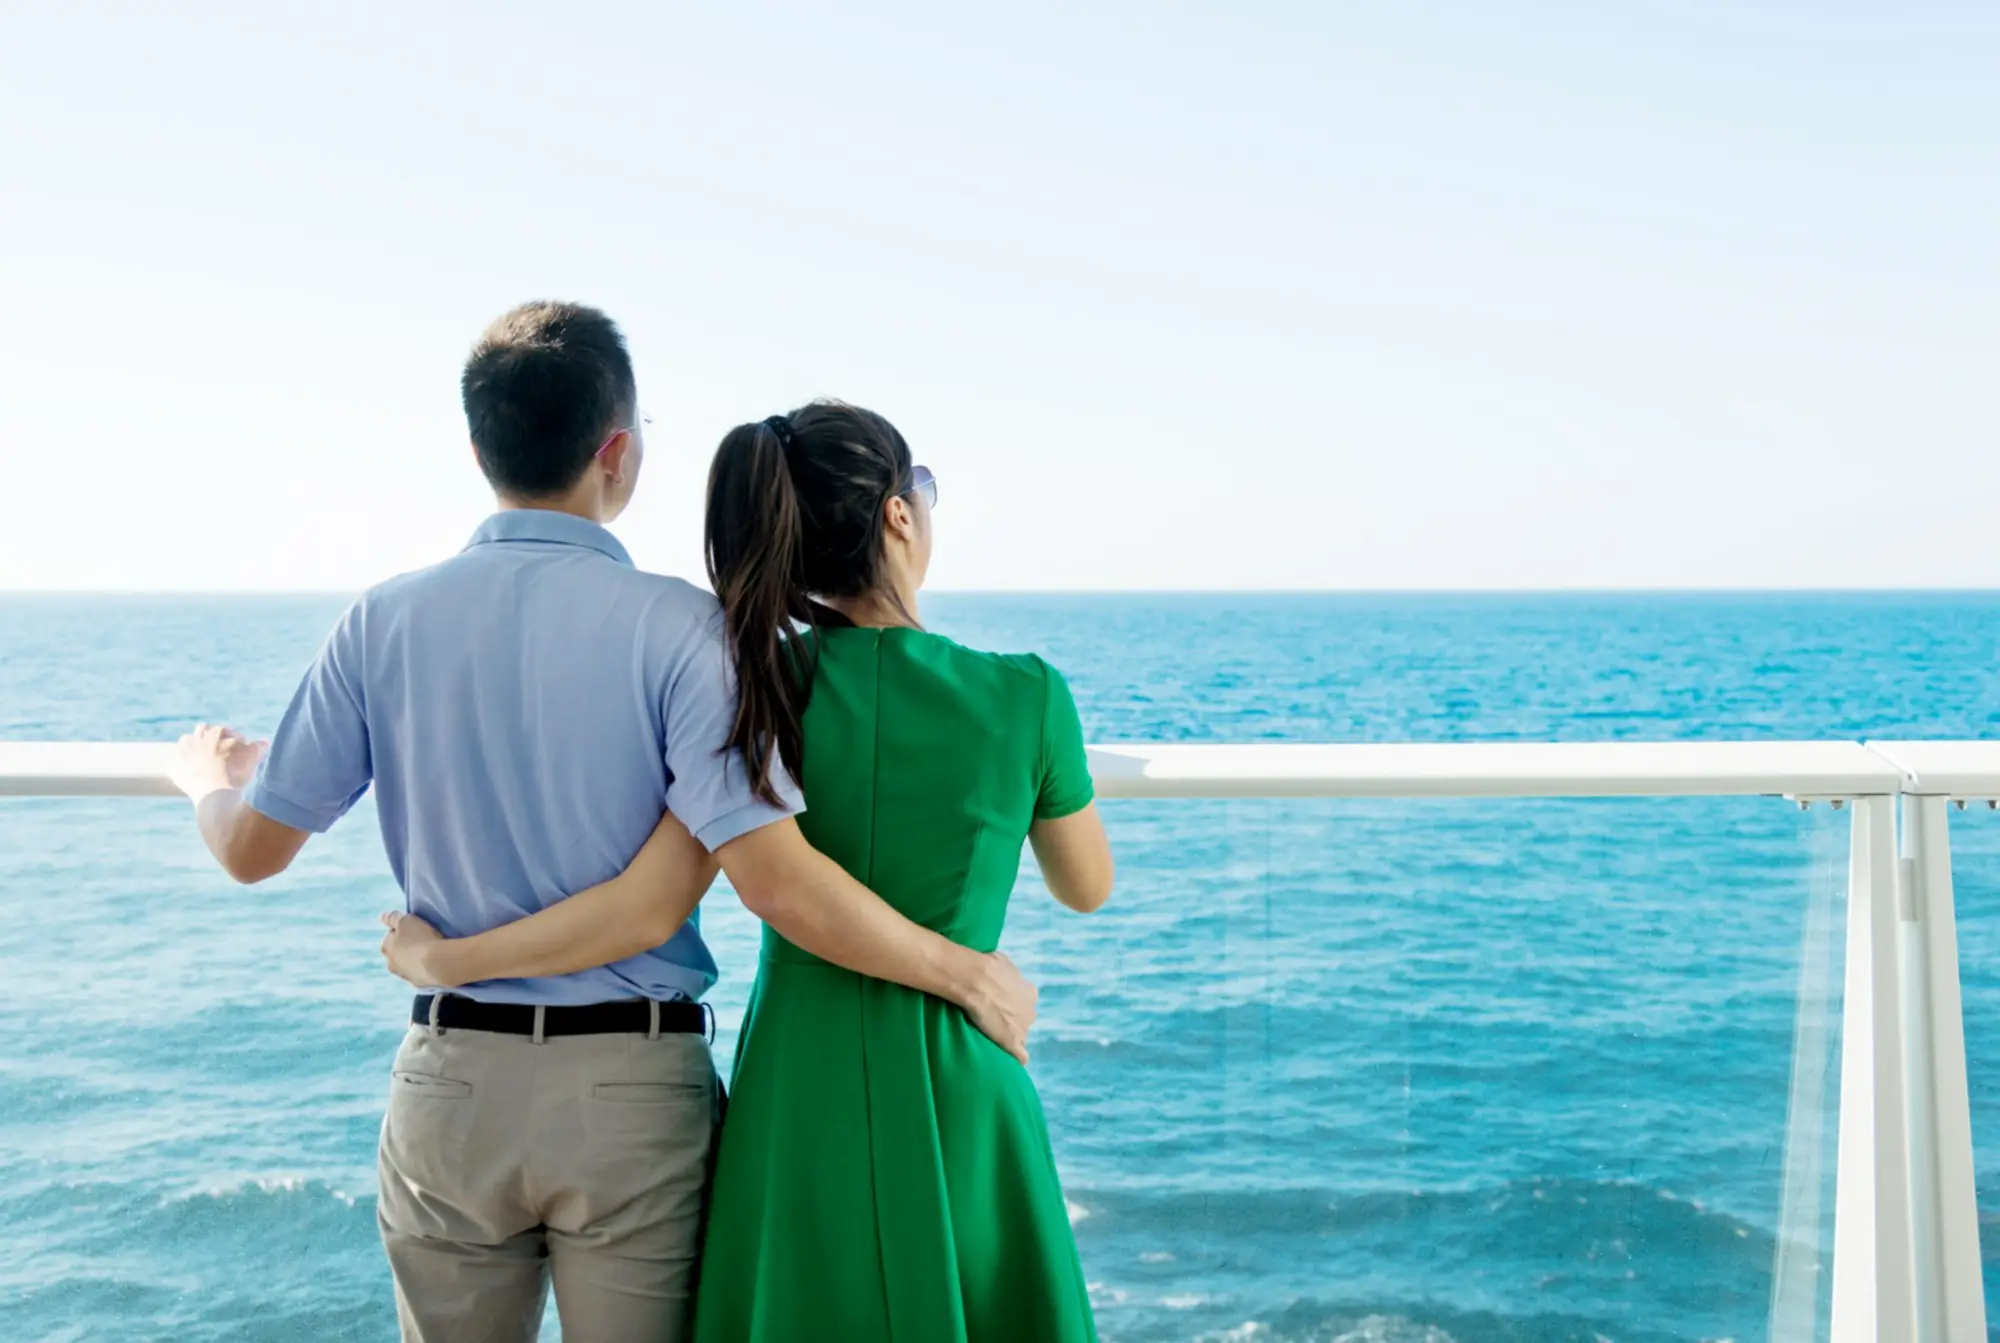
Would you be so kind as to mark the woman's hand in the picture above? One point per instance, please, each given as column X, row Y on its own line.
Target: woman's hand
column 417, row 952
column 1003, row 1003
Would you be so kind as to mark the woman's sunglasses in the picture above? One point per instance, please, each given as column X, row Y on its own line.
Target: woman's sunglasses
column 924, row 483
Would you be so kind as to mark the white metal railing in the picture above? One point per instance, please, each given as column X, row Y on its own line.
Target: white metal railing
column 1906, row 1265
column 1814, row 769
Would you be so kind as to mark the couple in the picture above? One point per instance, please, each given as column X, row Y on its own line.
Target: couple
column 529, row 712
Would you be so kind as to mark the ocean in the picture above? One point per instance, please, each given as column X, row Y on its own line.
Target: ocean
column 1366, row 1072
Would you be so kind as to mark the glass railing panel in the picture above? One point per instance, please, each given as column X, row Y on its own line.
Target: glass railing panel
column 1451, row 1070
column 1975, row 851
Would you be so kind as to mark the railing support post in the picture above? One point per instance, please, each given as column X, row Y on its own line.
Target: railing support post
column 1944, row 1200
column 1874, row 1262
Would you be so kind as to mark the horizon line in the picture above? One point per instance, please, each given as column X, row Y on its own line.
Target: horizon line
column 1635, row 590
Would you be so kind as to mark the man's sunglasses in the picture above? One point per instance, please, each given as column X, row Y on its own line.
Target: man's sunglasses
column 924, row 483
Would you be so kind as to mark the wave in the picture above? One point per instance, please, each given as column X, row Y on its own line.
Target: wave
column 244, row 1255
column 1546, row 1260
column 1637, row 1214
column 1312, row 1322
column 265, row 1208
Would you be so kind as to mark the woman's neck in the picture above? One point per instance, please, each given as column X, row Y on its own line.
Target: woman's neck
column 876, row 611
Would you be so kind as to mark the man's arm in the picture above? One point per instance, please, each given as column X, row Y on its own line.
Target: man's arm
column 212, row 765
column 814, row 904
column 257, row 802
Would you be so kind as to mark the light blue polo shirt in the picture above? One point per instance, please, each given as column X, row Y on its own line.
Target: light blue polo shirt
column 524, row 711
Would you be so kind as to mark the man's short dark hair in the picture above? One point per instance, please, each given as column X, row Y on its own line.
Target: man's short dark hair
column 543, row 388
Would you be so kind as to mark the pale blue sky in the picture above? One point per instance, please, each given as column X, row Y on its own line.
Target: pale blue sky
column 1169, row 295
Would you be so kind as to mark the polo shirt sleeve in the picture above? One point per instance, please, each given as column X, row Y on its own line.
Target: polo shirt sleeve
column 708, row 787
column 319, row 764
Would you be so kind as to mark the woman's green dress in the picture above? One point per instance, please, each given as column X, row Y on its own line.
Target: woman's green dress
column 885, row 1172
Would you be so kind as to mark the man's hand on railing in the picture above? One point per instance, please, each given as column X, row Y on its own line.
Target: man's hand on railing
column 214, row 759
column 213, row 765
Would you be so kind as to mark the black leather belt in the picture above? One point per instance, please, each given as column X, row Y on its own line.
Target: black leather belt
column 626, row 1018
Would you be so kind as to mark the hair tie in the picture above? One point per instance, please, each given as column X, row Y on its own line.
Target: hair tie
column 781, row 425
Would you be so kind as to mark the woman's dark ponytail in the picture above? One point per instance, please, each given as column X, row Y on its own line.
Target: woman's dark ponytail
column 795, row 513
column 756, row 563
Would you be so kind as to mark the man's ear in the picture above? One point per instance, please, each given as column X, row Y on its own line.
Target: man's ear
column 613, row 454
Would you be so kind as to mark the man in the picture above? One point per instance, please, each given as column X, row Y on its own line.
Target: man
column 524, row 711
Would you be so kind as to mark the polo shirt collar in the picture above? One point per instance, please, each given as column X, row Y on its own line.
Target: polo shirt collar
column 549, row 527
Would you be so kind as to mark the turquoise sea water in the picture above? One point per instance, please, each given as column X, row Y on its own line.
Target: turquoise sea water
column 1444, row 1072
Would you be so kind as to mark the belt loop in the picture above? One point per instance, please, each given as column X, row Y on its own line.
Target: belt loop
column 541, row 1017
column 437, row 1005
column 708, row 1022
column 653, row 1028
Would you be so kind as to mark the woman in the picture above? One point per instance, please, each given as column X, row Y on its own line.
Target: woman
column 885, row 1170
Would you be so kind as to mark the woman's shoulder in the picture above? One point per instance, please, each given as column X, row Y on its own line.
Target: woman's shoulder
column 982, row 668
column 933, row 653
column 939, row 646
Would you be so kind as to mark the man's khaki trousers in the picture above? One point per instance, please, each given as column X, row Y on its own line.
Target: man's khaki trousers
column 507, row 1163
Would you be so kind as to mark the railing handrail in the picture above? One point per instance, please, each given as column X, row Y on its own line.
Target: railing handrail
column 1806, row 769
column 1495, row 769
column 1960, row 769
column 84, row 769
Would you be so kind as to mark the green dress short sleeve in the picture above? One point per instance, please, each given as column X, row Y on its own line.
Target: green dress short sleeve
column 1066, row 787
